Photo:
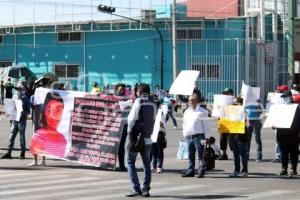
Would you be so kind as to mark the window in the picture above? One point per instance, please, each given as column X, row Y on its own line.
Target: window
column 66, row 71
column 183, row 34
column 207, row 71
column 1, row 39
column 252, row 31
column 69, row 36
column 5, row 64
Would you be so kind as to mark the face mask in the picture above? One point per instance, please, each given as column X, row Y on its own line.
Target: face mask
column 286, row 100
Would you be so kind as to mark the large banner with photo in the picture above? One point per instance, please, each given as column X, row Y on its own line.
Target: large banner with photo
column 76, row 126
column 231, row 120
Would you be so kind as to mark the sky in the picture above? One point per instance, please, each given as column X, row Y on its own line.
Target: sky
column 49, row 11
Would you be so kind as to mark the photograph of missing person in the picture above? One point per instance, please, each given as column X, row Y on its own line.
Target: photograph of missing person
column 47, row 140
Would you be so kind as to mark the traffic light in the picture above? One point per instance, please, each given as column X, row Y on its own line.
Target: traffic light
column 107, row 9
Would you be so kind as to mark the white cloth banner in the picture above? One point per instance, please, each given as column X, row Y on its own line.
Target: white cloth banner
column 221, row 100
column 250, row 94
column 280, row 116
column 184, row 84
column 10, row 109
column 156, row 126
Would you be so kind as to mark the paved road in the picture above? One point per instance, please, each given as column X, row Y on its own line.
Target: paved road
column 68, row 180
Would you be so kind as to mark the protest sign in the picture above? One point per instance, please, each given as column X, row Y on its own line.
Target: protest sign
column 280, row 116
column 184, row 83
column 249, row 94
column 231, row 119
column 10, row 109
column 160, row 118
column 221, row 100
column 97, row 125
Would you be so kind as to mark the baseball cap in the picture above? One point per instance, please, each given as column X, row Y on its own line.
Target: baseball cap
column 283, row 88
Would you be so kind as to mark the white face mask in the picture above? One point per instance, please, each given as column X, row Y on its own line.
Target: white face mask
column 286, row 100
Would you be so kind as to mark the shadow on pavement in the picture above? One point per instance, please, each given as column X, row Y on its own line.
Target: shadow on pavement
column 198, row 196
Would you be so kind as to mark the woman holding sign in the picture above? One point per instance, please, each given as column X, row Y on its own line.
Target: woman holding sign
column 47, row 140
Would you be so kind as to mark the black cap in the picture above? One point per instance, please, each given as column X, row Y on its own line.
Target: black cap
column 228, row 91
column 287, row 93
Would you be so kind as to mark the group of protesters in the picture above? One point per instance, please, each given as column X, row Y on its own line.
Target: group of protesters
column 139, row 124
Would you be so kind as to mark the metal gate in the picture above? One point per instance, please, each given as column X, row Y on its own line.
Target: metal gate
column 229, row 63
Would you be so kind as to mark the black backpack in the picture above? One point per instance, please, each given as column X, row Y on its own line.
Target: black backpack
column 209, row 157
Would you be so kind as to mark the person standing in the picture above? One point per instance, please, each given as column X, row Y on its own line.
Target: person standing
column 95, row 89
column 238, row 145
column 8, row 89
column 224, row 137
column 168, row 108
column 140, row 123
column 288, row 140
column 196, row 132
column 253, row 117
column 2, row 87
column 19, row 125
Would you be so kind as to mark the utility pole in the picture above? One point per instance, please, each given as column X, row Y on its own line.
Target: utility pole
column 174, row 39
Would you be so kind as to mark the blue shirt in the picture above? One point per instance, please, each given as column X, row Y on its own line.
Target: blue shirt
column 253, row 112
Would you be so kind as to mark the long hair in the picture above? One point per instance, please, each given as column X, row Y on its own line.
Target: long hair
column 50, row 96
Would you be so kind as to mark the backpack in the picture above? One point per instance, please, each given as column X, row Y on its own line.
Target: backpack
column 209, row 157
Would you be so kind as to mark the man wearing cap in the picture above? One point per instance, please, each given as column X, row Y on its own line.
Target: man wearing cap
column 196, row 132
column 224, row 136
column 288, row 140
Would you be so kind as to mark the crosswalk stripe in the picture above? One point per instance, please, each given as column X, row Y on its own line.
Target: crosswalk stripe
column 265, row 194
column 15, row 174
column 46, row 182
column 107, row 186
column 59, row 187
column 31, row 178
column 154, row 191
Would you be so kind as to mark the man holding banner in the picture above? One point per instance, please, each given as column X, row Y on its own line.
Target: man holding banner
column 288, row 140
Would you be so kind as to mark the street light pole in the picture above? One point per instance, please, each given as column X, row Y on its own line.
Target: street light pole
column 111, row 10
column 174, row 40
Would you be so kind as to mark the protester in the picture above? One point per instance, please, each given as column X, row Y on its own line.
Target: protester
column 120, row 91
column 168, row 108
column 224, row 137
column 288, row 140
column 95, row 89
column 238, row 145
column 196, row 132
column 157, row 150
column 2, row 88
column 253, row 117
column 47, row 139
column 8, row 89
column 19, row 125
column 128, row 91
column 140, row 127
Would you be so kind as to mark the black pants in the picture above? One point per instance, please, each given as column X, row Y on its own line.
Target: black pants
column 289, row 146
column 223, row 141
column 121, row 153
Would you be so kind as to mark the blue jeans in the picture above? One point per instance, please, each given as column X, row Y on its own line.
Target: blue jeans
column 256, row 125
column 277, row 148
column 170, row 114
column 18, row 126
column 146, row 168
column 239, row 149
column 194, row 144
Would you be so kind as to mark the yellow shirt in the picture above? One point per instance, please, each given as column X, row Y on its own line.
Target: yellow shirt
column 96, row 90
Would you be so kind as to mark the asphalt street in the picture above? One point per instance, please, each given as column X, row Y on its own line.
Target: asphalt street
column 69, row 180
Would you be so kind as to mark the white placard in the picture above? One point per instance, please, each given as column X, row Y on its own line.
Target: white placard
column 221, row 100
column 19, row 108
column 250, row 94
column 280, row 116
column 184, row 84
column 10, row 109
column 275, row 98
column 156, row 126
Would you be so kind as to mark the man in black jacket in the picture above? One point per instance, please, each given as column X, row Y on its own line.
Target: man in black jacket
column 140, row 127
column 288, row 140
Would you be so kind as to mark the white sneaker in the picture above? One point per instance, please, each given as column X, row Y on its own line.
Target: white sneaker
column 153, row 169
column 244, row 175
column 234, row 174
column 159, row 170
column 175, row 127
column 33, row 164
column 42, row 163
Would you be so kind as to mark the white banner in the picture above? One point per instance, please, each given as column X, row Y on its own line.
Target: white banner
column 184, row 84
column 280, row 116
column 221, row 100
